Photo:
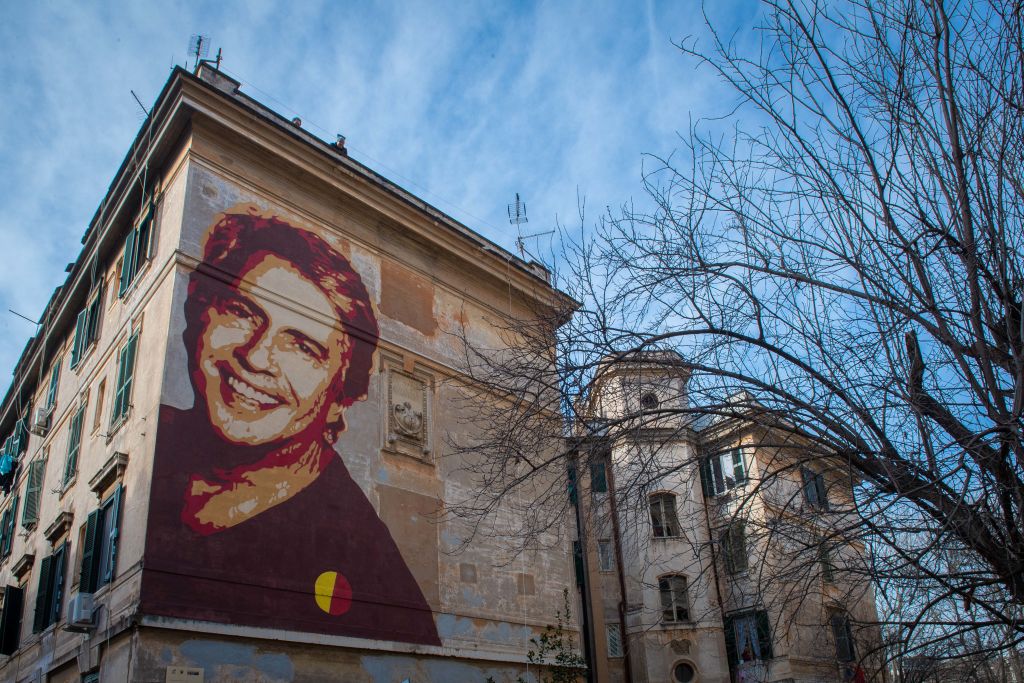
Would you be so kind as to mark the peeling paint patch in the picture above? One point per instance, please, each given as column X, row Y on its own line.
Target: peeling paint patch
column 472, row 598
column 392, row 669
column 233, row 660
column 451, row 626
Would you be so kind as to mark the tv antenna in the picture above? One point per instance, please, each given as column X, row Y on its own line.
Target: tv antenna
column 516, row 217
column 199, row 47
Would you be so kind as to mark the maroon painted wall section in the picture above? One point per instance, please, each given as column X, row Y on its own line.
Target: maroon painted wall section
column 254, row 518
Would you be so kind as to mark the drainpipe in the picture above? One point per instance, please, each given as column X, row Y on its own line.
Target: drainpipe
column 620, row 565
column 583, row 576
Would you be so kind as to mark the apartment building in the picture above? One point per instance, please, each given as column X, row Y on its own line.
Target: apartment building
column 224, row 453
column 718, row 549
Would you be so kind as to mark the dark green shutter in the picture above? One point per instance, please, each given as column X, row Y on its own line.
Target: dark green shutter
column 43, row 595
column 764, row 634
column 93, row 323
column 33, row 489
column 90, row 553
column 598, row 477
column 127, row 263
column 57, row 594
column 9, row 528
column 572, row 483
column 78, row 346
column 739, row 470
column 142, row 243
column 706, row 479
column 114, row 510
column 51, row 395
column 10, row 620
column 5, row 541
column 730, row 642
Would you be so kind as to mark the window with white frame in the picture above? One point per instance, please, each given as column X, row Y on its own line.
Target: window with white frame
column 724, row 472
column 675, row 604
column 664, row 521
column 613, row 632
column 748, row 637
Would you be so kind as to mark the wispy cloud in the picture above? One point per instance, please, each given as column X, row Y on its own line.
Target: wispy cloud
column 462, row 105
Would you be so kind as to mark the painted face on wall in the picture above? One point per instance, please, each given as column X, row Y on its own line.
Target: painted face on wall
column 263, row 368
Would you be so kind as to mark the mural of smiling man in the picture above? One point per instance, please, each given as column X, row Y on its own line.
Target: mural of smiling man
column 254, row 518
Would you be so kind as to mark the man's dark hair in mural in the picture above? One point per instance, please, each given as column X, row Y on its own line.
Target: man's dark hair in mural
column 255, row 518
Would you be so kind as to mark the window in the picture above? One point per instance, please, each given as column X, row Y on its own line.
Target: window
column 663, row 515
column 814, row 488
column 613, row 632
column 675, row 605
column 734, row 548
column 51, row 393
column 99, row 551
column 748, row 637
column 136, row 252
column 605, row 558
column 649, row 400
column 74, row 445
column 125, row 374
column 825, row 558
column 10, row 620
column 7, row 525
column 841, row 631
column 33, row 490
column 722, row 473
column 50, row 594
column 598, row 477
column 87, row 328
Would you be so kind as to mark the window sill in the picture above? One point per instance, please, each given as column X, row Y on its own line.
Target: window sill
column 116, row 425
column 667, row 538
column 68, row 485
column 77, row 367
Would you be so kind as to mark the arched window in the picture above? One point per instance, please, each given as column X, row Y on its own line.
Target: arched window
column 675, row 604
column 663, row 515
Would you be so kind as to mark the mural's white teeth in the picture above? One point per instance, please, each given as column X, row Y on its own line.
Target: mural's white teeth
column 250, row 392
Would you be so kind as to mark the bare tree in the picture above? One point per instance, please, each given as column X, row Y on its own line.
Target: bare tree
column 851, row 259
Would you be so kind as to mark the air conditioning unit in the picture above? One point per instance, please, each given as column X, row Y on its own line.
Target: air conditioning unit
column 41, row 420
column 80, row 612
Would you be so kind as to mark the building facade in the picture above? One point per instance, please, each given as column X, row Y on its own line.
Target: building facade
column 718, row 549
column 225, row 453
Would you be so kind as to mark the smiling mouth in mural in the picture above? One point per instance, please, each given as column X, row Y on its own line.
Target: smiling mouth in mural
column 238, row 392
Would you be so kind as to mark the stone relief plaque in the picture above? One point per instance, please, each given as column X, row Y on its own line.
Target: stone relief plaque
column 407, row 412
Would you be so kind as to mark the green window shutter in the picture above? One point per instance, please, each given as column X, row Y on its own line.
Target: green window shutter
column 78, row 346
column 764, row 634
column 51, row 394
column 739, row 470
column 598, row 477
column 142, row 242
column 114, row 510
column 128, row 263
column 43, row 595
column 10, row 620
column 74, row 444
column 33, row 489
column 4, row 540
column 57, row 594
column 706, row 480
column 93, row 317
column 730, row 642
column 90, row 553
column 125, row 375
column 10, row 517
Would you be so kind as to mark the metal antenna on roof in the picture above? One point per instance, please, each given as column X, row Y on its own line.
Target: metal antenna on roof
column 198, row 47
column 516, row 217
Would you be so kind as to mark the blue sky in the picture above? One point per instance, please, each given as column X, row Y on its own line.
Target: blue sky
column 463, row 104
